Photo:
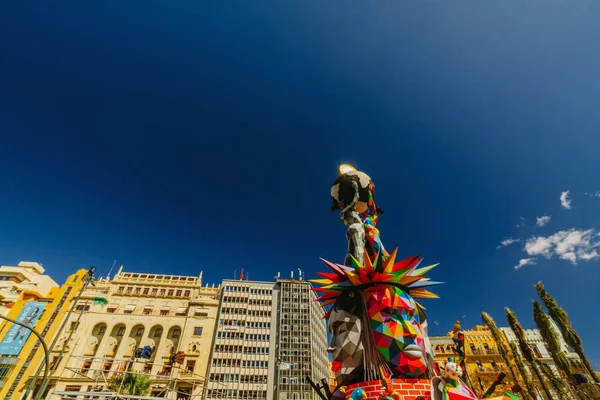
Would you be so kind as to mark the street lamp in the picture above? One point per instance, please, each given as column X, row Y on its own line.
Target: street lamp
column 38, row 396
column 346, row 168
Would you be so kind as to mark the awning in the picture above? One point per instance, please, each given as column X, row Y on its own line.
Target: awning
column 181, row 310
column 130, row 307
column 148, row 307
column 201, row 310
column 167, row 308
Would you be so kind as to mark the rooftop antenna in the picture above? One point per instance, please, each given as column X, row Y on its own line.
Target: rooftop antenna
column 110, row 272
column 299, row 274
column 292, row 274
column 242, row 274
column 234, row 274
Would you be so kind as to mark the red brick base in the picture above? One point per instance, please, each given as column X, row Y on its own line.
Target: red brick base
column 408, row 389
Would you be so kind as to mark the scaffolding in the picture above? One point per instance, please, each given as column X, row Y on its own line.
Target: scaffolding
column 170, row 379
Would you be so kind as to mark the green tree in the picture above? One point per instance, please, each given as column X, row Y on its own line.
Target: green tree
column 569, row 334
column 552, row 340
column 521, row 367
column 516, row 327
column 130, row 383
column 500, row 344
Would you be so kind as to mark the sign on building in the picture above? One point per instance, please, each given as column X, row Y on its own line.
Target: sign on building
column 17, row 335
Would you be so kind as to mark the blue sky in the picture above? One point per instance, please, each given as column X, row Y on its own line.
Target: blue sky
column 185, row 136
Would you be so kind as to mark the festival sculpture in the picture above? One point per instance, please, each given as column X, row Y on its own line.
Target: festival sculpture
column 450, row 385
column 378, row 329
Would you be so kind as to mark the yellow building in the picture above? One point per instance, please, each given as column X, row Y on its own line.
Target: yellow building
column 482, row 359
column 21, row 352
column 115, row 317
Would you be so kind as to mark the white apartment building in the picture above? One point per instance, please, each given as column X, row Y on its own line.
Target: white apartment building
column 26, row 276
column 117, row 316
column 243, row 353
column 270, row 336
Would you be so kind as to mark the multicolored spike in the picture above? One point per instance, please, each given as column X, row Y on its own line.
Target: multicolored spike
column 404, row 273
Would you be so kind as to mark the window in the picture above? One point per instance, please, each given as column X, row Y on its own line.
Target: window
column 74, row 326
column 158, row 332
column 154, row 292
column 121, row 331
column 176, row 333
column 129, row 290
column 189, row 367
column 178, row 294
column 494, row 365
column 171, row 291
column 82, row 307
column 163, row 291
column 201, row 312
column 147, row 310
column 186, row 293
column 111, row 309
column 198, row 331
column 102, row 330
column 146, row 290
column 139, row 332
column 164, row 312
column 121, row 289
column 479, row 365
column 138, row 290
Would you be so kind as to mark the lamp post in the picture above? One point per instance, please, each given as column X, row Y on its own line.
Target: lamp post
column 46, row 364
column 88, row 278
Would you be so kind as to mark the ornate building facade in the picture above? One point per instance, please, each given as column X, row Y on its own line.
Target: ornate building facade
column 115, row 318
column 483, row 361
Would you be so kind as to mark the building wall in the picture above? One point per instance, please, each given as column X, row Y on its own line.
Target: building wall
column 302, row 339
column 285, row 325
column 482, row 359
column 26, row 276
column 17, row 370
column 133, row 310
column 243, row 353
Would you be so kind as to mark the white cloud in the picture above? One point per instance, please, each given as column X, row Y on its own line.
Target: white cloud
column 564, row 200
column 523, row 262
column 571, row 245
column 590, row 256
column 507, row 242
column 541, row 221
column 597, row 194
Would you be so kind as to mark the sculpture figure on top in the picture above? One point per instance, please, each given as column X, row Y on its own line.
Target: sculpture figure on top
column 353, row 194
